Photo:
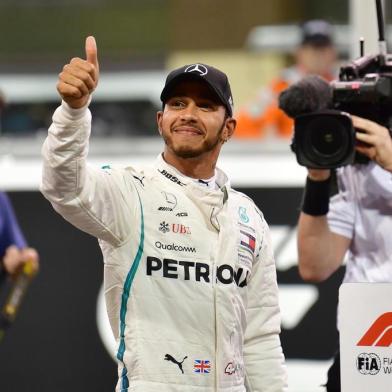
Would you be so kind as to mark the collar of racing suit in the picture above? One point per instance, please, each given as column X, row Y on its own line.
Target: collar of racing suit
column 221, row 179
column 213, row 200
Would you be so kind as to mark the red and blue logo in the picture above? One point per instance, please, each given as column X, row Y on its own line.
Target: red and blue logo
column 248, row 241
column 201, row 366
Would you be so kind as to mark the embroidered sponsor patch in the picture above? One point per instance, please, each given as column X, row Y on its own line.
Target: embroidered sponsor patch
column 247, row 241
column 177, row 228
column 243, row 215
column 245, row 259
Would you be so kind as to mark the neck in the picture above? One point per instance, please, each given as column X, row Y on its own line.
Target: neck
column 198, row 167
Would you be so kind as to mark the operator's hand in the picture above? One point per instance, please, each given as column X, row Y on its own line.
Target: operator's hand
column 14, row 258
column 319, row 174
column 374, row 141
column 79, row 78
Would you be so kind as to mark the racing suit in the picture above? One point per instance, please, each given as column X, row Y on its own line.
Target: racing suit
column 189, row 275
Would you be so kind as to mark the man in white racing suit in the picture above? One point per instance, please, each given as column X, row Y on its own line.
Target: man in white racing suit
column 190, row 280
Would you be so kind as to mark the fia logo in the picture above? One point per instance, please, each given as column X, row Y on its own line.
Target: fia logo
column 368, row 363
column 242, row 214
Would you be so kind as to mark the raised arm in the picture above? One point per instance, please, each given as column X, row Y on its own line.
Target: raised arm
column 91, row 199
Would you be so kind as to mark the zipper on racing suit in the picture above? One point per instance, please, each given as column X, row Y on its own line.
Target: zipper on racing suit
column 215, row 223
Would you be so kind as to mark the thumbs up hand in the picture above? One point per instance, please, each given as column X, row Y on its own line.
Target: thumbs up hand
column 79, row 78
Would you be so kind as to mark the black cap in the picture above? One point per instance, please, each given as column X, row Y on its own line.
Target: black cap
column 316, row 32
column 215, row 78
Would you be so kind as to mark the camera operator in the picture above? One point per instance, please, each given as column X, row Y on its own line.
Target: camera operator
column 357, row 220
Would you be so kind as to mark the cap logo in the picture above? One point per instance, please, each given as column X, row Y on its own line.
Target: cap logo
column 199, row 68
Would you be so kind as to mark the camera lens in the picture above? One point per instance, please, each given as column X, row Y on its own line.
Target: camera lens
column 324, row 139
column 327, row 141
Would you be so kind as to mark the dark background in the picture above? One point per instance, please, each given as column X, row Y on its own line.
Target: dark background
column 54, row 343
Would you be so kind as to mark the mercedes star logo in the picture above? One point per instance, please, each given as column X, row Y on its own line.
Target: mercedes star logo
column 201, row 69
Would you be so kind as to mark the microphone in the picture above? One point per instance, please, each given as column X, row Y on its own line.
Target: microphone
column 310, row 94
column 22, row 280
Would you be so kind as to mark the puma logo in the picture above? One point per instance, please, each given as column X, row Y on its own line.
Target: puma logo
column 140, row 180
column 168, row 357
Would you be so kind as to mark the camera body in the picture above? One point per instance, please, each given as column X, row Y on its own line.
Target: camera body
column 326, row 139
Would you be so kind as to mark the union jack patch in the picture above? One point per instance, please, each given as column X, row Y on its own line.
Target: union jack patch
column 201, row 366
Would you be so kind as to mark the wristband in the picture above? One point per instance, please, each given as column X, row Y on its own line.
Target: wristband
column 316, row 197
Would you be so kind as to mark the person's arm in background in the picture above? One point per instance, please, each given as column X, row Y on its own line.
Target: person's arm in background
column 321, row 251
column 264, row 360
column 262, row 114
column 13, row 248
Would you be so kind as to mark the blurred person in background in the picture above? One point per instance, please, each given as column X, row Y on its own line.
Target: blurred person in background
column 14, row 251
column 190, row 278
column 316, row 54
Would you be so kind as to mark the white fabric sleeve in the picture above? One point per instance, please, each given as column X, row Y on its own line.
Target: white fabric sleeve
column 341, row 215
column 264, row 360
column 89, row 198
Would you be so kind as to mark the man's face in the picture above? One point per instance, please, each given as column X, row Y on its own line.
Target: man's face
column 316, row 60
column 193, row 121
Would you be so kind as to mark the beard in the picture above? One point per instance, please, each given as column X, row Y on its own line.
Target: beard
column 189, row 150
